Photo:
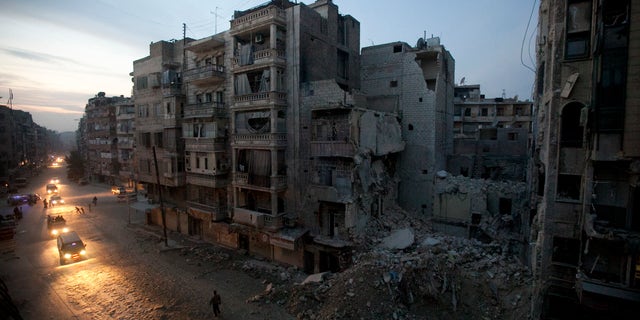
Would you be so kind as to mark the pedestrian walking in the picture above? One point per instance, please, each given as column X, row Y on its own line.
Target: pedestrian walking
column 215, row 303
column 95, row 201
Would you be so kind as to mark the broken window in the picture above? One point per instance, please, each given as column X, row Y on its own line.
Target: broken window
column 505, row 206
column 612, row 82
column 569, row 187
column 565, row 250
column 578, row 29
column 343, row 64
column 571, row 131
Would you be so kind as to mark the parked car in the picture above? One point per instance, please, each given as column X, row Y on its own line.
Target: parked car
column 16, row 199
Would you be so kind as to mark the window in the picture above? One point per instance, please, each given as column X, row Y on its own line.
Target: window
column 485, row 112
column 393, row 83
column 467, row 112
column 397, row 48
column 578, row 29
column 571, row 131
column 569, row 187
column 157, row 138
column 500, row 111
column 343, row 64
column 512, row 136
column 141, row 83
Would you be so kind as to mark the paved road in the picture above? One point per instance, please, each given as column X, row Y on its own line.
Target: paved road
column 129, row 274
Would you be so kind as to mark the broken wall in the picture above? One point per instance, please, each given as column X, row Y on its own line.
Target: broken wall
column 498, row 209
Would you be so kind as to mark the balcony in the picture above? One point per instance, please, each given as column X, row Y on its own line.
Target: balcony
column 205, row 110
column 203, row 180
column 262, row 140
column 258, row 18
column 273, row 223
column 259, row 99
column 217, row 211
column 204, row 144
column 208, row 74
column 332, row 149
column 248, row 217
column 171, row 91
column 243, row 179
column 261, row 58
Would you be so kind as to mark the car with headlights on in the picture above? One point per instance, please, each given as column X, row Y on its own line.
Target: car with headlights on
column 55, row 200
column 52, row 188
column 71, row 247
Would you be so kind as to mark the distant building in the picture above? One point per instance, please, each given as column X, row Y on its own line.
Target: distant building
column 586, row 229
column 491, row 137
column 125, row 132
column 102, row 140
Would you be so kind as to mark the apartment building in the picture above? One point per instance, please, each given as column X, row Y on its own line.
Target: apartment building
column 160, row 103
column 205, row 131
column 102, row 142
column 125, row 132
column 418, row 84
column 587, row 160
column 491, row 137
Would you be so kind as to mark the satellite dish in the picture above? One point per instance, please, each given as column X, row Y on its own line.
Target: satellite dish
column 420, row 43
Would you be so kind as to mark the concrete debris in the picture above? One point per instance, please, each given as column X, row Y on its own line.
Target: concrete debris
column 318, row 277
column 400, row 239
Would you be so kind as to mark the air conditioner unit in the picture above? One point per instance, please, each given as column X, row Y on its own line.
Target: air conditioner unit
column 259, row 38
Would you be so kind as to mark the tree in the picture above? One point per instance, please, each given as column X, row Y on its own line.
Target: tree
column 75, row 165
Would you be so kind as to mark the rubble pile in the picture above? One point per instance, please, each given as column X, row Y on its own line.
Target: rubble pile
column 443, row 277
column 205, row 254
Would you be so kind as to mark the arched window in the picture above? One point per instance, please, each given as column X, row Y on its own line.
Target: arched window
column 571, row 130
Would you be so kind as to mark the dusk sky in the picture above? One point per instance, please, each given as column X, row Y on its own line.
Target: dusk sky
column 55, row 55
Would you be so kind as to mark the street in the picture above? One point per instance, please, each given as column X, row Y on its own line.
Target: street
column 129, row 273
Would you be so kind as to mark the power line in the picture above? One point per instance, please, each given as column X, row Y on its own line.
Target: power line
column 524, row 38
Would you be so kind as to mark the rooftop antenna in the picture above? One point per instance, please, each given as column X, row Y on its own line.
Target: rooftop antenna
column 215, row 14
column 503, row 94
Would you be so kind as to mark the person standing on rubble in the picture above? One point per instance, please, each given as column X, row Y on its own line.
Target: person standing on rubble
column 215, row 303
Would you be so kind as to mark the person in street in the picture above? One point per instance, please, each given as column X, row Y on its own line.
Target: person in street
column 215, row 303
column 44, row 203
column 95, row 201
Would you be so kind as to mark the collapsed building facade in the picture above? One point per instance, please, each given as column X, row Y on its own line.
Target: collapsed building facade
column 418, row 84
column 586, row 231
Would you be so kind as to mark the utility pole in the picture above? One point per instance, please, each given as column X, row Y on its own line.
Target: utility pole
column 164, row 219
column 215, row 15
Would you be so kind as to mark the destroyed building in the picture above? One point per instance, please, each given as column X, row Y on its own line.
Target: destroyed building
column 418, row 84
column 586, row 229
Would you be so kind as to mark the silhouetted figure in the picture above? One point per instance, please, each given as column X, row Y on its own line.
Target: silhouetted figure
column 215, row 303
column 95, row 200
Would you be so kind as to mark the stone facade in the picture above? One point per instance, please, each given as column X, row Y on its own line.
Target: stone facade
column 586, row 229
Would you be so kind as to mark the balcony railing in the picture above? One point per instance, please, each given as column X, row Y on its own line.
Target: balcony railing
column 171, row 90
column 204, row 144
column 262, row 57
column 273, row 223
column 248, row 180
column 264, row 139
column 260, row 98
column 210, row 181
column 218, row 212
column 205, row 109
column 258, row 17
column 248, row 217
column 212, row 72
column 332, row 149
